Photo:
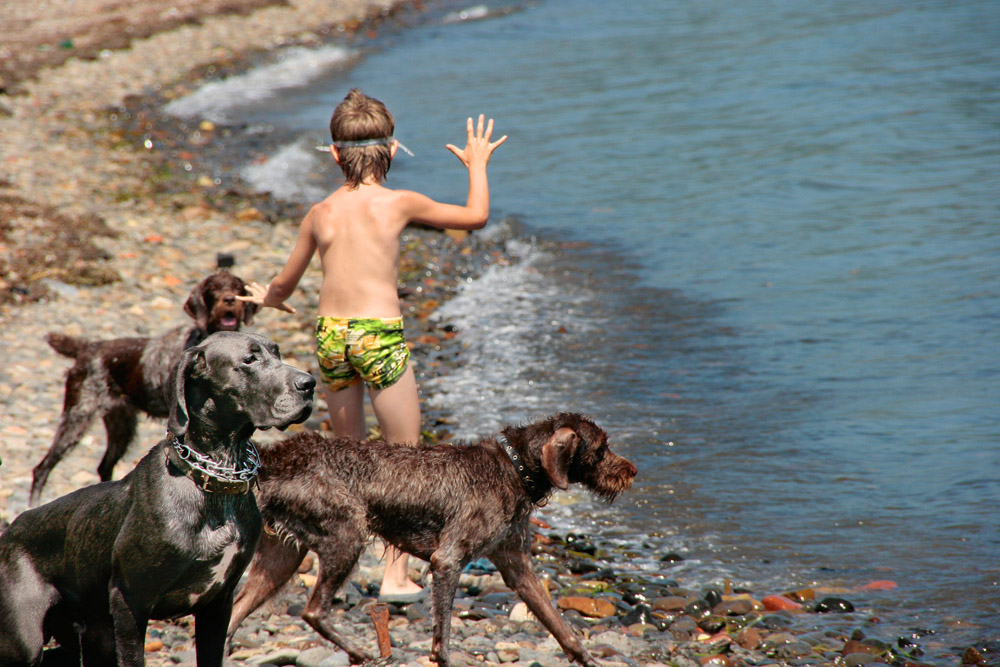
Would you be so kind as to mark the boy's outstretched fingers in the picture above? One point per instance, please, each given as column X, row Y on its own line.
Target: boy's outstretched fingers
column 258, row 295
column 478, row 140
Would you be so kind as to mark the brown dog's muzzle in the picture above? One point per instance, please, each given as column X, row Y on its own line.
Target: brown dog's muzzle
column 614, row 477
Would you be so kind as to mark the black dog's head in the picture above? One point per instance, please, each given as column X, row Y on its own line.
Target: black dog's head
column 214, row 307
column 235, row 382
column 571, row 449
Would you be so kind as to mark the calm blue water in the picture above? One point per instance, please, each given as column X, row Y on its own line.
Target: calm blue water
column 758, row 241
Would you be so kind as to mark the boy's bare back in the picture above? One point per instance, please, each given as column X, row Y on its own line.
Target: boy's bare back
column 356, row 233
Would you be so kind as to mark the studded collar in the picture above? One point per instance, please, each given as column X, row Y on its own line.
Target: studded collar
column 211, row 476
column 518, row 461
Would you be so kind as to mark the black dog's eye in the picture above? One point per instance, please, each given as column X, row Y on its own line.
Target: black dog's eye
column 249, row 359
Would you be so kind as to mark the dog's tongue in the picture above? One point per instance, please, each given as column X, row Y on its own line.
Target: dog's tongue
column 228, row 321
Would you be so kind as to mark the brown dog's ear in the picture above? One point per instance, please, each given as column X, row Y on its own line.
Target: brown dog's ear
column 195, row 305
column 557, row 454
column 177, row 422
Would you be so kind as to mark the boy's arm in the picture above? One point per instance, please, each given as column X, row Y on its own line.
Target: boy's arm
column 475, row 156
column 281, row 288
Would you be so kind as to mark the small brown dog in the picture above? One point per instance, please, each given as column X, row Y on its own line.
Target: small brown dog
column 447, row 504
column 118, row 378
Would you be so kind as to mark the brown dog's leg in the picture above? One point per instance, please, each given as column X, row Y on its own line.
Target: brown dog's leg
column 120, row 423
column 335, row 565
column 445, row 582
column 273, row 565
column 515, row 567
column 77, row 414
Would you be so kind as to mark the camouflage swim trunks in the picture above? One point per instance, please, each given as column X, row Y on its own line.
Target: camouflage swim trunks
column 353, row 349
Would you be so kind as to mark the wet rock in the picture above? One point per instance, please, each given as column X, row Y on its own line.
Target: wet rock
column 972, row 656
column 641, row 613
column 712, row 624
column 287, row 656
column 698, row 609
column 801, row 595
column 713, row 596
column 737, row 607
column 856, row 659
column 833, row 605
column 669, row 603
column 581, row 566
column 790, row 650
column 750, row 638
column 520, row 613
column 780, row 602
column 321, row 656
column 591, row 607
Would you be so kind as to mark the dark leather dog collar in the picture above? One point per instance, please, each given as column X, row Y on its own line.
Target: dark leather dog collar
column 522, row 470
column 209, row 475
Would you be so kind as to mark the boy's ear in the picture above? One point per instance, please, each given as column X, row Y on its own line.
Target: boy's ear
column 335, row 153
column 393, row 147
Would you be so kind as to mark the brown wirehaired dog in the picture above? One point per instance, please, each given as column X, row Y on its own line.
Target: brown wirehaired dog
column 447, row 504
column 118, row 378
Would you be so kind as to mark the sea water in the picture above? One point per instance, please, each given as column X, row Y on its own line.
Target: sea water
column 759, row 242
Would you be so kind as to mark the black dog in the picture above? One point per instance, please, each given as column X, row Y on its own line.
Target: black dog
column 448, row 504
column 119, row 378
column 170, row 538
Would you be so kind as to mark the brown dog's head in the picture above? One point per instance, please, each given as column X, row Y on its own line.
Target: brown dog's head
column 214, row 307
column 570, row 448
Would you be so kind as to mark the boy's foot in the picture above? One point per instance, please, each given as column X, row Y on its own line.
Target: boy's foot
column 407, row 588
column 403, row 598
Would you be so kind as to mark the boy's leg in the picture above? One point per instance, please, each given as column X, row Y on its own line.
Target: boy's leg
column 347, row 414
column 397, row 409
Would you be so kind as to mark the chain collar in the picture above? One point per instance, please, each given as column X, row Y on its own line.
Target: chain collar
column 518, row 462
column 211, row 476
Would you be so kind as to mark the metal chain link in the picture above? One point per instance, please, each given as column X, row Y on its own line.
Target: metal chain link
column 212, row 468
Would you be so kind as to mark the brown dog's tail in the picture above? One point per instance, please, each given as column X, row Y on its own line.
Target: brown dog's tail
column 68, row 346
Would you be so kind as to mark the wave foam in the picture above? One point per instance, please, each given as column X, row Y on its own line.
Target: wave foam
column 295, row 67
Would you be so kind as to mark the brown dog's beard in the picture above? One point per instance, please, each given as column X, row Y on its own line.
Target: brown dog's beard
column 612, row 477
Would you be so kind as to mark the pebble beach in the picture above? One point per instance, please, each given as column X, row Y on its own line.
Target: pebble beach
column 110, row 214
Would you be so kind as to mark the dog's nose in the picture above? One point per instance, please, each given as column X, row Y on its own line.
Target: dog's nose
column 305, row 382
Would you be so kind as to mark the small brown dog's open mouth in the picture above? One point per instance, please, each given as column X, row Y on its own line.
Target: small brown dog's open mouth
column 229, row 322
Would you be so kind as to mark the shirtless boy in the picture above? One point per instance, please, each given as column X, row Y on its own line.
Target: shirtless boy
column 355, row 231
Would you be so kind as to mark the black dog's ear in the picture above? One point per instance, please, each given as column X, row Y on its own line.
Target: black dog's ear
column 195, row 305
column 557, row 454
column 177, row 422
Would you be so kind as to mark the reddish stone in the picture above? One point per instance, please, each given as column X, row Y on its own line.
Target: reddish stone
column 779, row 602
column 749, row 638
column 854, row 646
column 881, row 585
column 592, row 607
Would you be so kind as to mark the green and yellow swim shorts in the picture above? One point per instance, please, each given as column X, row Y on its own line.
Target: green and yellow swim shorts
column 355, row 348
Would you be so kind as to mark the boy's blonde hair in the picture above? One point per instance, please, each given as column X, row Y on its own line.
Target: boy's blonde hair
column 356, row 118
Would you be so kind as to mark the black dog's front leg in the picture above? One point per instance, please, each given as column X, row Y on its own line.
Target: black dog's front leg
column 210, row 624
column 130, row 628
column 515, row 567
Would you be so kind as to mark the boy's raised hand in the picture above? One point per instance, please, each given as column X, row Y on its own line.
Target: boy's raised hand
column 478, row 148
